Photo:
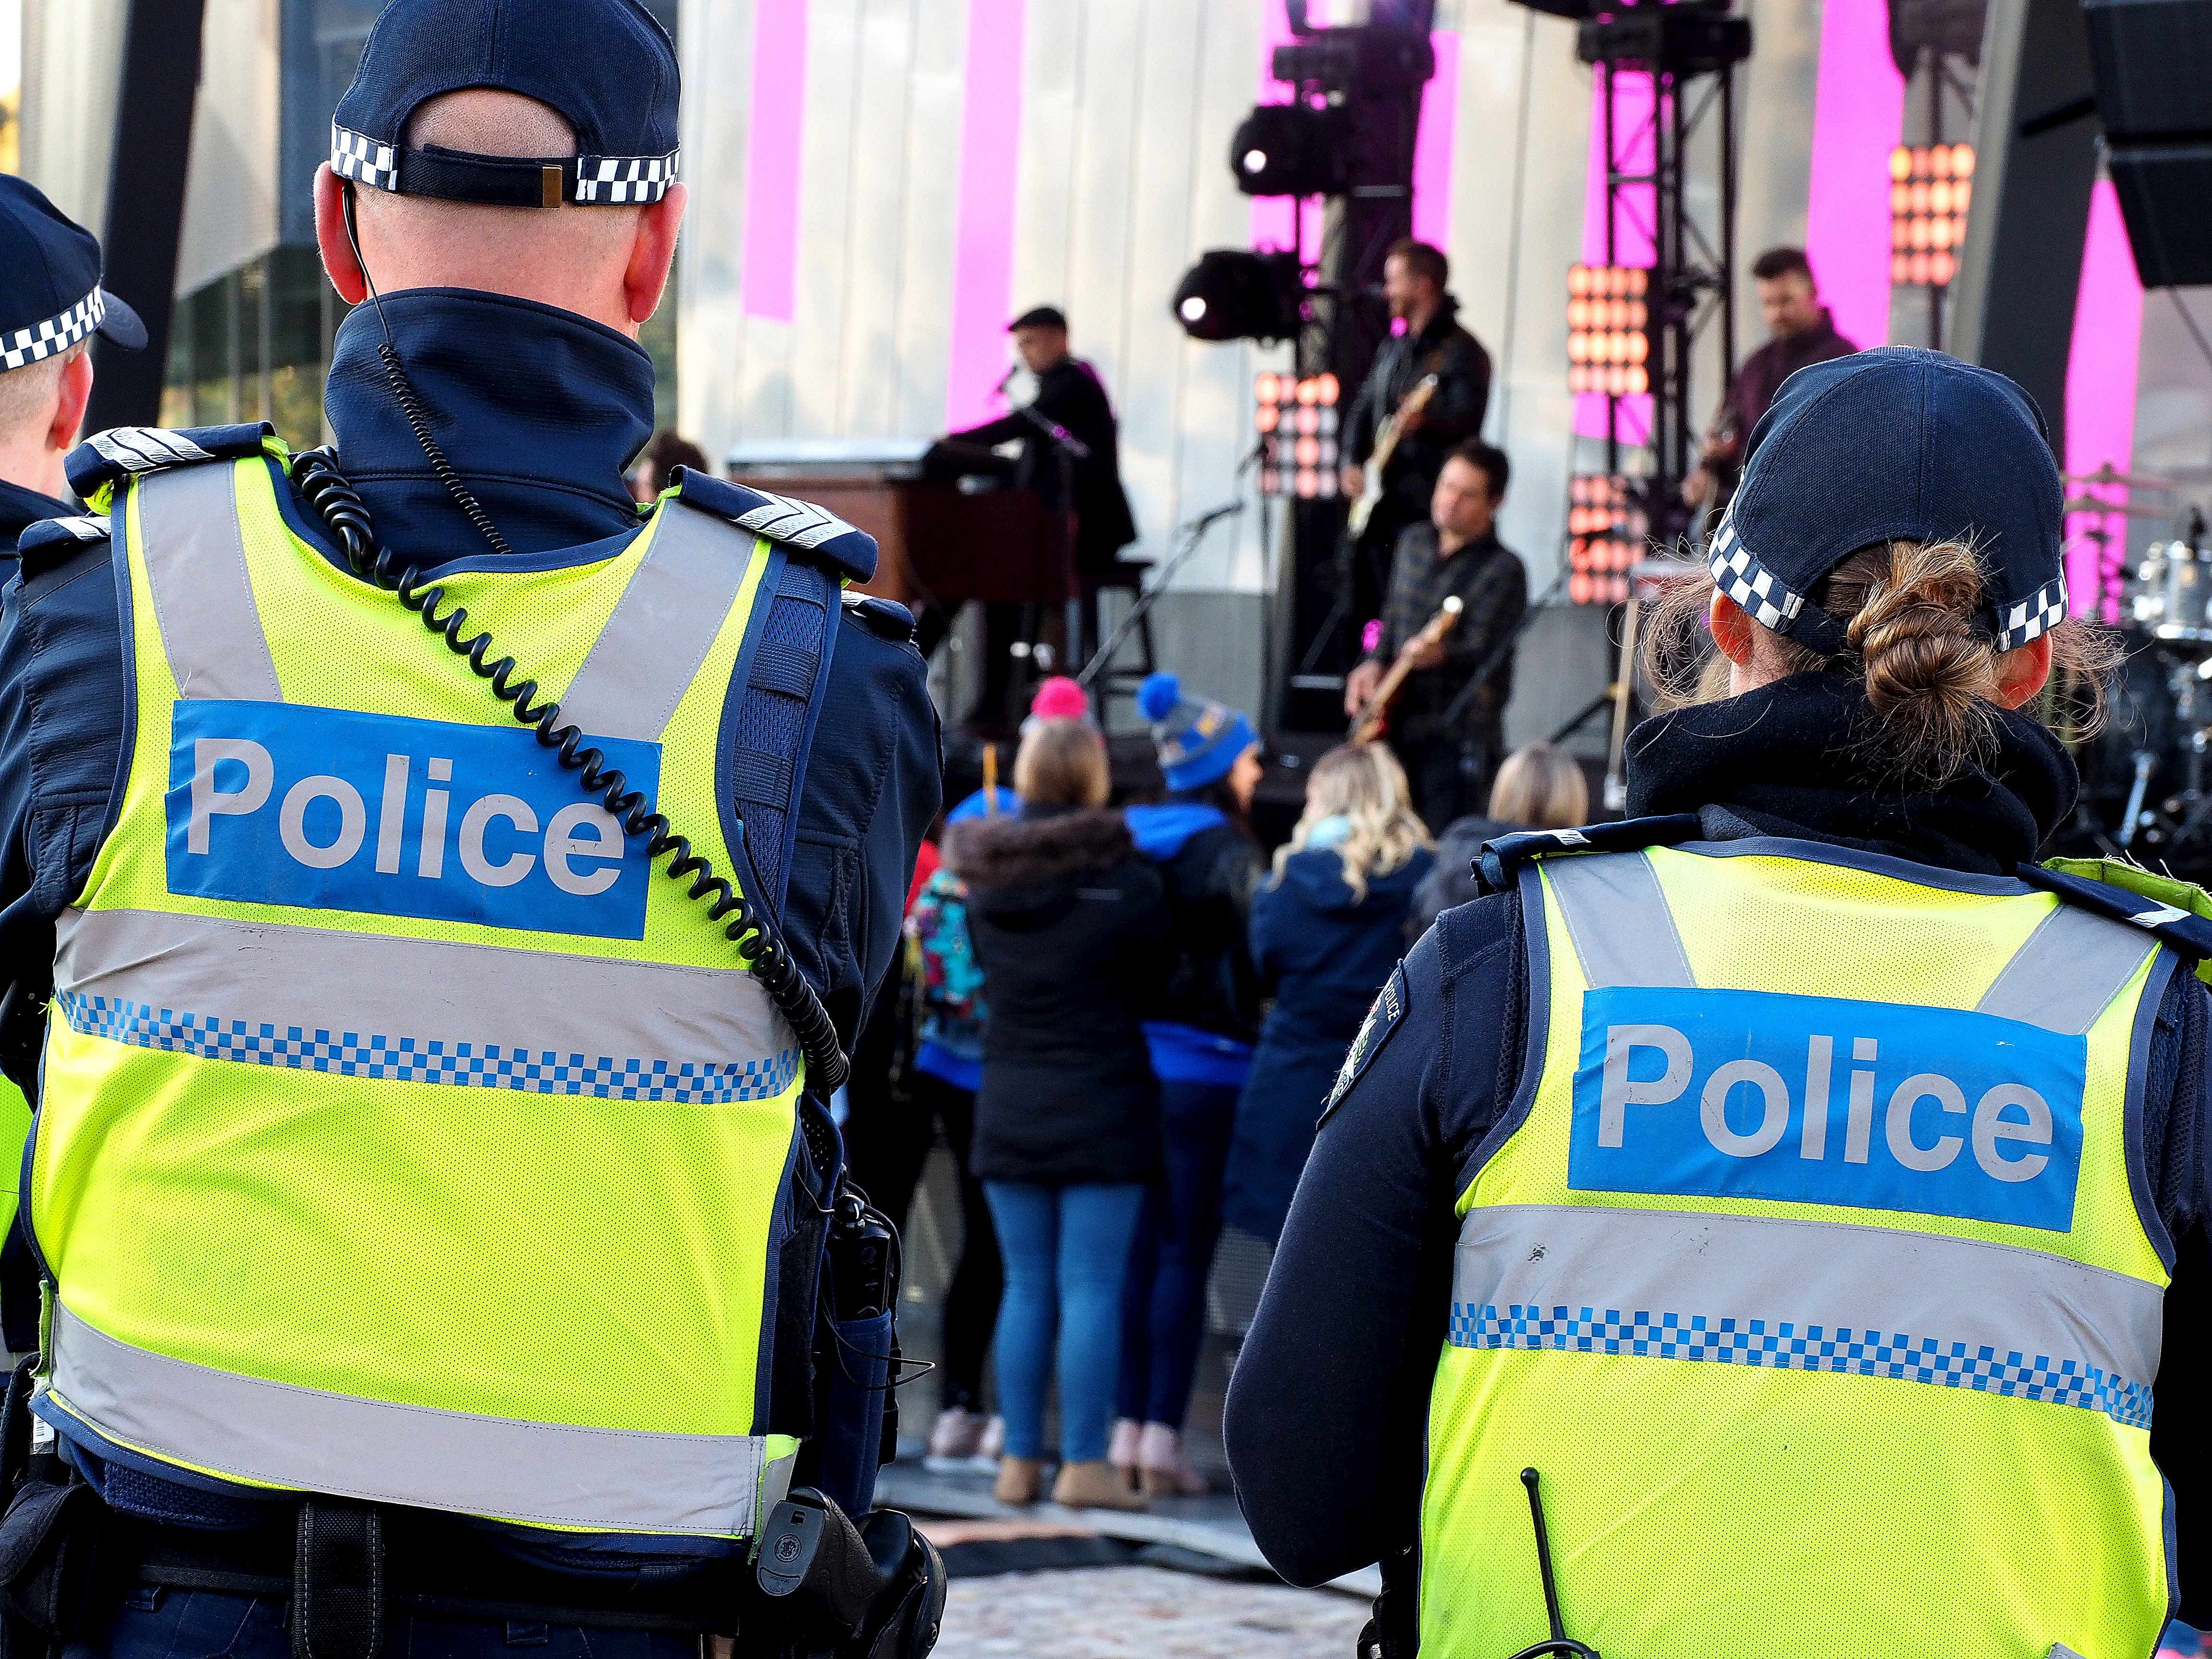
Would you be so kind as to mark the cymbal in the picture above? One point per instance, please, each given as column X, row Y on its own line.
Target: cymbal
column 2104, row 475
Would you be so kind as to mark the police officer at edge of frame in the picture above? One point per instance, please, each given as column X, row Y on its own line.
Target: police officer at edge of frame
column 1791, row 1177
column 51, row 303
column 430, row 1212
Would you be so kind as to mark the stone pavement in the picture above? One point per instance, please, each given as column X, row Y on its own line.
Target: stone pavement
column 1144, row 1613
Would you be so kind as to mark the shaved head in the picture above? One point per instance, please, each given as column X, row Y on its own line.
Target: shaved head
column 581, row 258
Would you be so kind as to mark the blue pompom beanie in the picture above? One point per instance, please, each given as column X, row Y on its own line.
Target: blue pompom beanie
column 1197, row 742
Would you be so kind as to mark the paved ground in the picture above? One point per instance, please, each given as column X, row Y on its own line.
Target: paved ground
column 1142, row 1613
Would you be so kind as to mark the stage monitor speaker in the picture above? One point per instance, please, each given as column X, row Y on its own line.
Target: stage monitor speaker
column 2152, row 63
column 2163, row 189
column 2152, row 60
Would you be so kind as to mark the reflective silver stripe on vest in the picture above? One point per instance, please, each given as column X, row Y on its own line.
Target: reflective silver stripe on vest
column 195, row 557
column 1619, row 921
column 421, row 1009
column 307, row 1439
column 2068, row 972
column 1807, row 1296
column 662, row 628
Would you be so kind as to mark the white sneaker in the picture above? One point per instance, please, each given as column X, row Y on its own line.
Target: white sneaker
column 958, row 1432
column 993, row 1446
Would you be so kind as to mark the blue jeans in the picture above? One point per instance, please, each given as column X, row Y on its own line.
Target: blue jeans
column 1066, row 1249
column 164, row 1624
column 1163, row 1310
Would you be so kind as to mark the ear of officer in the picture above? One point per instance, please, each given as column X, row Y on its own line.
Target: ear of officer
column 1795, row 1236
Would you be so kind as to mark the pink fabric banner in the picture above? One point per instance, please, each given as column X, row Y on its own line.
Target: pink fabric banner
column 983, row 256
column 774, row 120
column 1432, row 145
column 1858, row 115
column 2101, row 367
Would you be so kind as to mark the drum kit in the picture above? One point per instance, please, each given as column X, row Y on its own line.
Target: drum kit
column 2143, row 778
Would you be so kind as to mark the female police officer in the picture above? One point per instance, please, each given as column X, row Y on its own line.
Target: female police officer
column 1787, row 1184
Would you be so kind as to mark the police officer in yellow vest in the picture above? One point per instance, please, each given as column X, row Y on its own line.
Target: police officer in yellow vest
column 1747, row 1230
column 430, row 1180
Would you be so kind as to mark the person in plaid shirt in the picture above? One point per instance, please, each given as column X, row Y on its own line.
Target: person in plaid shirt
column 1456, row 552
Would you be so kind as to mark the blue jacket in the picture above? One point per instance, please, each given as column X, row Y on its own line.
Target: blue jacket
column 540, row 411
column 1323, row 955
column 1211, row 867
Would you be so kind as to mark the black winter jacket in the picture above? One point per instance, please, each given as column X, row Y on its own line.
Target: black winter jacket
column 1071, row 930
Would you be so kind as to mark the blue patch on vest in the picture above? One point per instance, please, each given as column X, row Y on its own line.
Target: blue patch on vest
column 282, row 804
column 1817, row 1100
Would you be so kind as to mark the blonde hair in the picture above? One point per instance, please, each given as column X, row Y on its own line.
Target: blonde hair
column 1364, row 783
column 1540, row 785
column 1061, row 764
column 1909, row 613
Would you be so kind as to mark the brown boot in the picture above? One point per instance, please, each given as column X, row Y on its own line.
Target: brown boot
column 1018, row 1480
column 1094, row 1485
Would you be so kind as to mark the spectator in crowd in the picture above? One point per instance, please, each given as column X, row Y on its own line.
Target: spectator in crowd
column 1200, row 838
column 899, row 1097
column 1540, row 787
column 1069, row 925
column 1326, row 930
column 657, row 462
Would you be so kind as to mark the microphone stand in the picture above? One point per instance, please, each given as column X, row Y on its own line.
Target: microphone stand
column 1192, row 532
column 1068, row 449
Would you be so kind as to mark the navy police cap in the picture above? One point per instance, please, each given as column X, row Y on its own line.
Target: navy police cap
column 1895, row 444
column 606, row 66
column 50, row 292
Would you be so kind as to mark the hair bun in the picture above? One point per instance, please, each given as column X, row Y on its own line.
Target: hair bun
column 1157, row 696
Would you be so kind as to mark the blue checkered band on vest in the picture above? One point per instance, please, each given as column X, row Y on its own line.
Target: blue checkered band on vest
column 427, row 1059
column 1785, row 1346
column 20, row 348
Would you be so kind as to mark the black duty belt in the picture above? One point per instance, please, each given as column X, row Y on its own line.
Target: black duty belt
column 345, row 1564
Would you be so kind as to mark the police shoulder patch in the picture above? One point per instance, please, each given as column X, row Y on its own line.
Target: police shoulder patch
column 105, row 458
column 1384, row 1015
column 801, row 525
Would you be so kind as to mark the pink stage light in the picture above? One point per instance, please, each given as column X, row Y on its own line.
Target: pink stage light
column 1858, row 110
column 1433, row 144
column 2101, row 365
column 983, row 255
column 774, row 123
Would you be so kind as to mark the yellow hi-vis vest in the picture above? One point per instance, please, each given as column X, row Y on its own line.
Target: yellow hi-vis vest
column 404, row 1134
column 1814, row 1271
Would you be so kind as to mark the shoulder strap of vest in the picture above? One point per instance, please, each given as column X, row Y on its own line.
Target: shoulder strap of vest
column 783, row 671
column 2178, row 913
column 1495, row 863
column 48, row 542
column 105, row 458
column 819, row 534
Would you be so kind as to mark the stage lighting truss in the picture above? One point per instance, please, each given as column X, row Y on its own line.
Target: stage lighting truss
column 1930, row 187
column 1609, row 330
column 1296, row 420
column 1606, row 534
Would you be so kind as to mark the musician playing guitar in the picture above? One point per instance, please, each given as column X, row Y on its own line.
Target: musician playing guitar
column 1454, row 553
column 1433, row 346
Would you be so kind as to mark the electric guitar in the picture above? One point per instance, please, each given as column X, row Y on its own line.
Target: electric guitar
column 1374, row 720
column 1386, row 445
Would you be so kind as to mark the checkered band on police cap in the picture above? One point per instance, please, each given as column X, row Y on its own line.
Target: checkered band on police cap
column 22, row 347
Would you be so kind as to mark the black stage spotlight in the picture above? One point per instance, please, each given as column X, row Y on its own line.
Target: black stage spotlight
column 1290, row 150
column 1233, row 294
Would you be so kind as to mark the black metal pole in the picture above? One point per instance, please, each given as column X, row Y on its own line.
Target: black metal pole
column 1728, row 224
column 146, row 203
column 1612, row 213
